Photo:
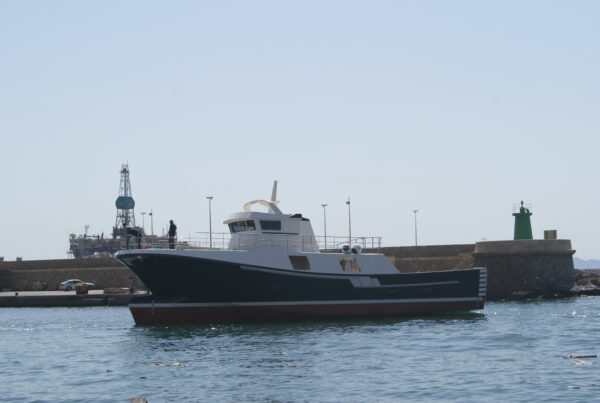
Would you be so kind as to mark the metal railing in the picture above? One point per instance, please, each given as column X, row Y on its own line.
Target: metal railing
column 336, row 242
column 221, row 240
column 516, row 208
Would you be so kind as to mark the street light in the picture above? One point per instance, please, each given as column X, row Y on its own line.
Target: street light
column 210, row 219
column 349, row 223
column 143, row 221
column 151, row 223
column 325, row 223
column 415, row 211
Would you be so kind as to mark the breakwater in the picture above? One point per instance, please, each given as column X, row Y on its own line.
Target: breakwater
column 40, row 275
column 516, row 269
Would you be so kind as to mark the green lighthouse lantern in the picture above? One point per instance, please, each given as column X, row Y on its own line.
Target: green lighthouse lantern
column 522, row 222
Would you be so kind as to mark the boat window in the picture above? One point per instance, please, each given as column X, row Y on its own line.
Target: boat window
column 270, row 225
column 240, row 226
column 349, row 264
column 300, row 262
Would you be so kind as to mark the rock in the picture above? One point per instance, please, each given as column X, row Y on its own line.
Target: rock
column 518, row 295
column 140, row 399
column 586, row 283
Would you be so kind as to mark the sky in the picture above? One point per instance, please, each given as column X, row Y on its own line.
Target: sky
column 458, row 109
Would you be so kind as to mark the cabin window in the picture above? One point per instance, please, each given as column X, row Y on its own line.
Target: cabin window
column 349, row 264
column 270, row 225
column 241, row 226
column 300, row 262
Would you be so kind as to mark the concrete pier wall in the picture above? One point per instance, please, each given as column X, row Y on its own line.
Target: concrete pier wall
column 37, row 275
column 515, row 268
column 425, row 251
column 526, row 267
column 411, row 259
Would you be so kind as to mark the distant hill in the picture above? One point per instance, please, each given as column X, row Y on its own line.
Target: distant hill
column 586, row 264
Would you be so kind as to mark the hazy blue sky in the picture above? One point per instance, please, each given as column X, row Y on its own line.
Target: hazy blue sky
column 456, row 108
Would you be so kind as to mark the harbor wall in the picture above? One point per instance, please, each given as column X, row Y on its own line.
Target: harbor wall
column 427, row 251
column 411, row 259
column 526, row 268
column 516, row 269
column 38, row 275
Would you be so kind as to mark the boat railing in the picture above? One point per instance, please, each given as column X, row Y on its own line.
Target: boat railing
column 335, row 242
column 215, row 240
column 221, row 240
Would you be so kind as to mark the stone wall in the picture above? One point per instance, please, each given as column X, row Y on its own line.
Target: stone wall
column 58, row 263
column 424, row 251
column 520, row 276
column 410, row 259
column 420, row 264
column 515, row 268
column 524, row 268
column 35, row 275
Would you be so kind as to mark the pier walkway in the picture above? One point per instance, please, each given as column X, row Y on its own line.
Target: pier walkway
column 62, row 299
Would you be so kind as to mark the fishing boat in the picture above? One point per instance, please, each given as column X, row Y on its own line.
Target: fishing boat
column 273, row 270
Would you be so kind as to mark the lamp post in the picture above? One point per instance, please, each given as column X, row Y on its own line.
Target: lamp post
column 325, row 223
column 151, row 223
column 349, row 223
column 210, row 219
column 415, row 211
column 143, row 213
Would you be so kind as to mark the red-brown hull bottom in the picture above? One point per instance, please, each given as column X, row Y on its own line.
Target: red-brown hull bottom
column 184, row 314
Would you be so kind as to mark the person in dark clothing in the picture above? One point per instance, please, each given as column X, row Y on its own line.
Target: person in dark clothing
column 172, row 233
column 137, row 234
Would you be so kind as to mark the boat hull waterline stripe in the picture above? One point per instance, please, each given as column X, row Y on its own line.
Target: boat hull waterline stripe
column 292, row 303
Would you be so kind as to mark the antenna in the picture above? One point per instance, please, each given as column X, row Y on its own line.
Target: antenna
column 274, row 192
column 274, row 197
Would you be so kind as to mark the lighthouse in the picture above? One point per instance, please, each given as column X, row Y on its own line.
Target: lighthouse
column 522, row 216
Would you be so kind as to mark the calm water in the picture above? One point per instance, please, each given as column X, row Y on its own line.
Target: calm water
column 509, row 351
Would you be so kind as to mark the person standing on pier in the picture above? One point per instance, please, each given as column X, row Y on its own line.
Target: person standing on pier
column 172, row 233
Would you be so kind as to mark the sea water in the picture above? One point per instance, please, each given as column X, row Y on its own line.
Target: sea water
column 510, row 351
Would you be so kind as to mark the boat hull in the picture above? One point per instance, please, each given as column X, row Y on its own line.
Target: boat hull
column 159, row 311
column 201, row 290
